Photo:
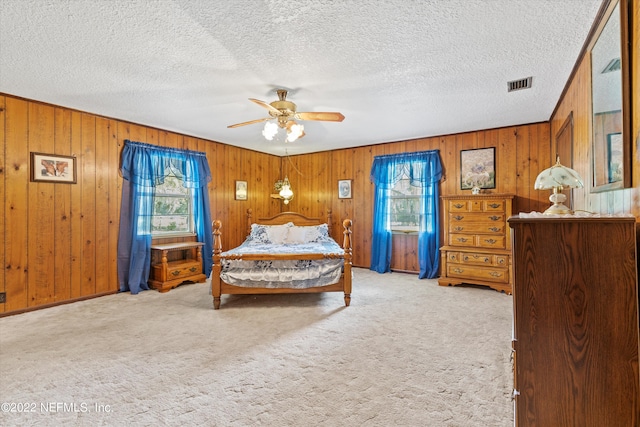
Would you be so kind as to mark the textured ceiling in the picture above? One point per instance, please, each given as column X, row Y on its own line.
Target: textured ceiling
column 396, row 69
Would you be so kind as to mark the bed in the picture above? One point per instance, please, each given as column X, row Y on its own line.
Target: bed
column 287, row 253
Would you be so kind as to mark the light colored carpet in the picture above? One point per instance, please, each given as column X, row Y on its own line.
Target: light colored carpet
column 407, row 352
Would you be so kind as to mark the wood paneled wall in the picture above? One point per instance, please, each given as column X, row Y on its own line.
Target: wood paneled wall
column 60, row 240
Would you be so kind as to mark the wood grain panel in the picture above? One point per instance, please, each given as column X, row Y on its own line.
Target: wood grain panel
column 87, row 163
column 41, row 210
column 16, row 203
column 2, row 198
column 101, row 202
column 634, row 196
column 62, row 211
column 76, row 278
column 576, row 335
column 115, row 199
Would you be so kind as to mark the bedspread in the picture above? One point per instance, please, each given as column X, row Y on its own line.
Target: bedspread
column 297, row 274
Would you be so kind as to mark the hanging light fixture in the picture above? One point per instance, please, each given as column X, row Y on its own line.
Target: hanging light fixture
column 285, row 192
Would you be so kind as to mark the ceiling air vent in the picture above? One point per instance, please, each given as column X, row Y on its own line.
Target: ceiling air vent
column 519, row 84
column 613, row 65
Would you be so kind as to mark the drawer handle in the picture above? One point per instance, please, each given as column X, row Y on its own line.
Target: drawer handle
column 458, row 217
column 176, row 272
column 193, row 269
column 475, row 257
column 490, row 241
column 495, row 274
column 501, row 261
column 494, row 205
column 461, row 239
column 494, row 229
column 458, row 270
column 458, row 205
column 458, row 228
column 494, row 218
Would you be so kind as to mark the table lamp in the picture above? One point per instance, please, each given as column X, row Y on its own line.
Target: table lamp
column 558, row 177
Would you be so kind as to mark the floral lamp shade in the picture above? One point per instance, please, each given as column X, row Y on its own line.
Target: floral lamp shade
column 558, row 177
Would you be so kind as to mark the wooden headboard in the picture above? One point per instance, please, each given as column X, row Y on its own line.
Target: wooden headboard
column 285, row 217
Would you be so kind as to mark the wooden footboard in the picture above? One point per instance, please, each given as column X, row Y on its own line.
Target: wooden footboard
column 219, row 287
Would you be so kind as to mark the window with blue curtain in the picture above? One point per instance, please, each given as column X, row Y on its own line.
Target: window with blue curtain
column 424, row 169
column 144, row 166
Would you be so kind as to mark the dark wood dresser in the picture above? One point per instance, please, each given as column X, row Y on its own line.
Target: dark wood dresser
column 575, row 337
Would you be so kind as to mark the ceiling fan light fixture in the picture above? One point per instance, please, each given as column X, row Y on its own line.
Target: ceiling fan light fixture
column 270, row 130
column 286, row 114
column 294, row 132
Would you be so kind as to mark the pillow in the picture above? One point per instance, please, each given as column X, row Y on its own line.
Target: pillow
column 277, row 233
column 308, row 234
column 269, row 234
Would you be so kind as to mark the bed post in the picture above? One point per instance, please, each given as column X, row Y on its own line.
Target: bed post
column 215, row 274
column 249, row 214
column 346, row 245
column 329, row 221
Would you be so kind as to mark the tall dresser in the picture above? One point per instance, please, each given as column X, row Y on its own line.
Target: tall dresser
column 575, row 337
column 477, row 241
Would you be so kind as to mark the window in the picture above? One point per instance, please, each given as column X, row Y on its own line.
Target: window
column 172, row 208
column 405, row 202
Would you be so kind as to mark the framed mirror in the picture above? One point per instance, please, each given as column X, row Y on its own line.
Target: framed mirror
column 610, row 98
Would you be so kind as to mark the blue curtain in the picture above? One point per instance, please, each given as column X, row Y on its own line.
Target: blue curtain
column 424, row 170
column 143, row 167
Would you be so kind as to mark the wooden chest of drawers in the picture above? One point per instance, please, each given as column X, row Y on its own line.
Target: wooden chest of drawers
column 477, row 241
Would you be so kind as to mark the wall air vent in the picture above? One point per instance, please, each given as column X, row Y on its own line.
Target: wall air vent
column 519, row 84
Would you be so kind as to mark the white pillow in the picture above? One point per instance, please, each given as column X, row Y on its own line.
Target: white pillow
column 269, row 234
column 277, row 233
column 297, row 235
column 308, row 234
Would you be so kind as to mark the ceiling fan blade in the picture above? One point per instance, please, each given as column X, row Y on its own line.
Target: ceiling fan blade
column 324, row 117
column 250, row 122
column 269, row 107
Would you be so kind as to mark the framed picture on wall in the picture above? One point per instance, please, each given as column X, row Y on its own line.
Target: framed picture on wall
column 344, row 189
column 478, row 168
column 53, row 168
column 241, row 190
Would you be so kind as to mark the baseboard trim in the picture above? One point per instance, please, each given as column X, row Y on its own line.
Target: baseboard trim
column 53, row 304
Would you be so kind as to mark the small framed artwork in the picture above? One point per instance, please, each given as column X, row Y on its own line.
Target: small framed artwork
column 53, row 168
column 344, row 189
column 478, row 168
column 241, row 190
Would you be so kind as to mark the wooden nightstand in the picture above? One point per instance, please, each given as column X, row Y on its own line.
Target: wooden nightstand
column 166, row 275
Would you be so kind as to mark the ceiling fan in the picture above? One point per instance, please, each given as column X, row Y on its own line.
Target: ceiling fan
column 285, row 113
